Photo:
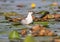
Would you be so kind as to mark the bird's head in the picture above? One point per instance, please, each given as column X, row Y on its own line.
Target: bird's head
column 31, row 12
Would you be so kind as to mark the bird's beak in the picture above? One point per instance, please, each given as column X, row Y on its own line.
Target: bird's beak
column 34, row 13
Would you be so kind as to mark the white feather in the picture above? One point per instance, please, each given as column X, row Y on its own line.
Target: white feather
column 28, row 19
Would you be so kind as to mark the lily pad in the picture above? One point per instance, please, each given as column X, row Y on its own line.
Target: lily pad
column 14, row 35
column 43, row 12
column 42, row 23
column 29, row 38
column 4, row 21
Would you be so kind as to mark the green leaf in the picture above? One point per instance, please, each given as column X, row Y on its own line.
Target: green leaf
column 29, row 38
column 42, row 23
column 14, row 35
column 42, row 12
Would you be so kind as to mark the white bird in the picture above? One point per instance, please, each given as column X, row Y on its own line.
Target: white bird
column 28, row 19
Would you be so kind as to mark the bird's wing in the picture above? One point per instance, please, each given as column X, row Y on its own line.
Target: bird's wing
column 24, row 21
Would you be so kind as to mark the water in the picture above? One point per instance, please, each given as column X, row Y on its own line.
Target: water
column 8, row 6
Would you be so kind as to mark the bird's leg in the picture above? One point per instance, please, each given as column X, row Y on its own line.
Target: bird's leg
column 32, row 23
